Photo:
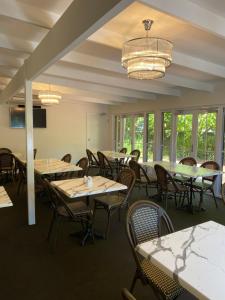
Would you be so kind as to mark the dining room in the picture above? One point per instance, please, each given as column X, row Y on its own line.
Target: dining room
column 112, row 121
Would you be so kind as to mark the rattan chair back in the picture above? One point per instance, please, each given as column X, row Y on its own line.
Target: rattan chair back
column 137, row 154
column 164, row 178
column 213, row 165
column 138, row 170
column 145, row 221
column 123, row 150
column 91, row 158
column 35, row 152
column 83, row 164
column 126, row 177
column 67, row 158
column 188, row 161
column 126, row 295
column 6, row 161
column 5, row 150
column 56, row 199
column 104, row 164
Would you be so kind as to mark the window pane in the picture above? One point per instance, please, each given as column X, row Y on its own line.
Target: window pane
column 206, row 136
column 150, row 136
column 184, row 136
column 117, row 139
column 127, row 133
column 139, row 134
column 166, row 135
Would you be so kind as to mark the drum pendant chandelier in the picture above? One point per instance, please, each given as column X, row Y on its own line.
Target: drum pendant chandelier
column 146, row 57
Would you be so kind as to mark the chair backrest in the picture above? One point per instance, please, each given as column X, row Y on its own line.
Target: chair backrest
column 123, row 150
column 91, row 157
column 213, row 165
column 56, row 199
column 188, row 161
column 6, row 161
column 35, row 152
column 164, row 178
column 22, row 169
column 5, row 150
column 145, row 221
column 127, row 295
column 67, row 158
column 82, row 163
column 137, row 154
column 126, row 177
column 104, row 163
column 136, row 168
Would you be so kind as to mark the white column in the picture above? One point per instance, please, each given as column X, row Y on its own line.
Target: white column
column 157, row 155
column 219, row 146
column 30, row 156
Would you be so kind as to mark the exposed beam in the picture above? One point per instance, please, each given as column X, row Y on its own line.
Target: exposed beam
column 74, row 99
column 79, row 21
column 62, row 69
column 192, row 13
column 92, row 87
column 28, row 13
column 109, row 65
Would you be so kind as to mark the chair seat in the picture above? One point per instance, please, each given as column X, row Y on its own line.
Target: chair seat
column 110, row 201
column 180, row 188
column 202, row 185
column 169, row 287
column 77, row 207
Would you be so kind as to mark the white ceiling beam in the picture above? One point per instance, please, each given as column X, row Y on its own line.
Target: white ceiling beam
column 28, row 13
column 60, row 69
column 78, row 92
column 92, row 87
column 74, row 99
column 17, row 44
column 79, row 21
column 109, row 65
column 192, row 13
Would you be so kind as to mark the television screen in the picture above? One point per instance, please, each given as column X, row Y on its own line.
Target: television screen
column 17, row 117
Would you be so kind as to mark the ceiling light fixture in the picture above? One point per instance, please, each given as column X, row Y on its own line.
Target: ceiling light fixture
column 49, row 97
column 147, row 57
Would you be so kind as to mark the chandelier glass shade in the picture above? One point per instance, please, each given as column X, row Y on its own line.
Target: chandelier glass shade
column 49, row 97
column 147, row 57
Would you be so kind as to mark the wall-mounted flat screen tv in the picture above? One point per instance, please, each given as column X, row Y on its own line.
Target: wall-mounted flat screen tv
column 17, row 117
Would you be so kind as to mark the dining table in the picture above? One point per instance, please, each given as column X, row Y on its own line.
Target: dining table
column 190, row 172
column 5, row 200
column 53, row 166
column 193, row 256
column 76, row 187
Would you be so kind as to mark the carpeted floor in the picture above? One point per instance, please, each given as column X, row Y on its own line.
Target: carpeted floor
column 97, row 271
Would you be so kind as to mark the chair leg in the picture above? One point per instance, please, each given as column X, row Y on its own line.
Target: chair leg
column 56, row 234
column 201, row 200
column 212, row 190
column 166, row 198
column 146, row 187
column 108, row 224
column 51, row 226
column 134, row 281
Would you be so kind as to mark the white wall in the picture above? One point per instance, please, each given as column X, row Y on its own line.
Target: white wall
column 65, row 133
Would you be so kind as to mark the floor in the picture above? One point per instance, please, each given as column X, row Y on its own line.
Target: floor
column 29, row 270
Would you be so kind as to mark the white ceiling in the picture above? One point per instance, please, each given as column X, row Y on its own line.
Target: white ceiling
column 92, row 72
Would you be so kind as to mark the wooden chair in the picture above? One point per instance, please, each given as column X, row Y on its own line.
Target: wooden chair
column 126, row 295
column 67, row 158
column 35, row 152
column 82, row 163
column 207, row 183
column 145, row 221
column 76, row 211
column 116, row 202
column 142, row 179
column 167, row 186
column 187, row 161
column 93, row 162
column 105, row 167
column 7, row 165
